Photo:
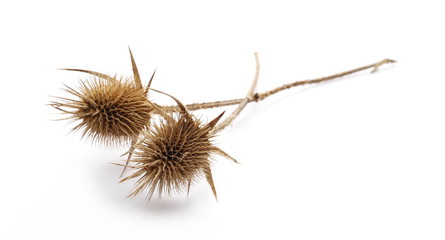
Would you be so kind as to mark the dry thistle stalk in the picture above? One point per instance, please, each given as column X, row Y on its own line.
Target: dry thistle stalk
column 171, row 155
column 168, row 156
column 109, row 109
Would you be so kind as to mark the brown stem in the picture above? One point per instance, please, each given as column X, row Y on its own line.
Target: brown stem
column 260, row 96
column 244, row 102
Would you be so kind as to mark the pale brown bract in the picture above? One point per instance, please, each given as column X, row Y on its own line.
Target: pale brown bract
column 173, row 153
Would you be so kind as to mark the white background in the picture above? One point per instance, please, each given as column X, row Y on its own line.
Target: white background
column 361, row 157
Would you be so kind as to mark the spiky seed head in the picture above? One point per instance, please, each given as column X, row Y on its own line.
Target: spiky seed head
column 107, row 111
column 173, row 153
column 110, row 110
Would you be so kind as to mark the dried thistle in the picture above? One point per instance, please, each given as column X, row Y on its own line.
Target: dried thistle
column 170, row 155
column 109, row 109
column 173, row 154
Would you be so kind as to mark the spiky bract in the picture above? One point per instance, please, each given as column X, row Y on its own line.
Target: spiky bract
column 109, row 110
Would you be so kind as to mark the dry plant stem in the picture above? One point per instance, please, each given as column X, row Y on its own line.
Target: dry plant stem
column 244, row 102
column 260, row 96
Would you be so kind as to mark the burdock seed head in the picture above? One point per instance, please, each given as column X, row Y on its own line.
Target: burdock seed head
column 108, row 109
column 174, row 153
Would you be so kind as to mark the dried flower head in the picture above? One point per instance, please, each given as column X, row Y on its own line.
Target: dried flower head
column 109, row 109
column 172, row 154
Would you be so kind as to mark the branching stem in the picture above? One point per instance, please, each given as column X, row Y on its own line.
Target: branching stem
column 260, row 96
column 243, row 103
